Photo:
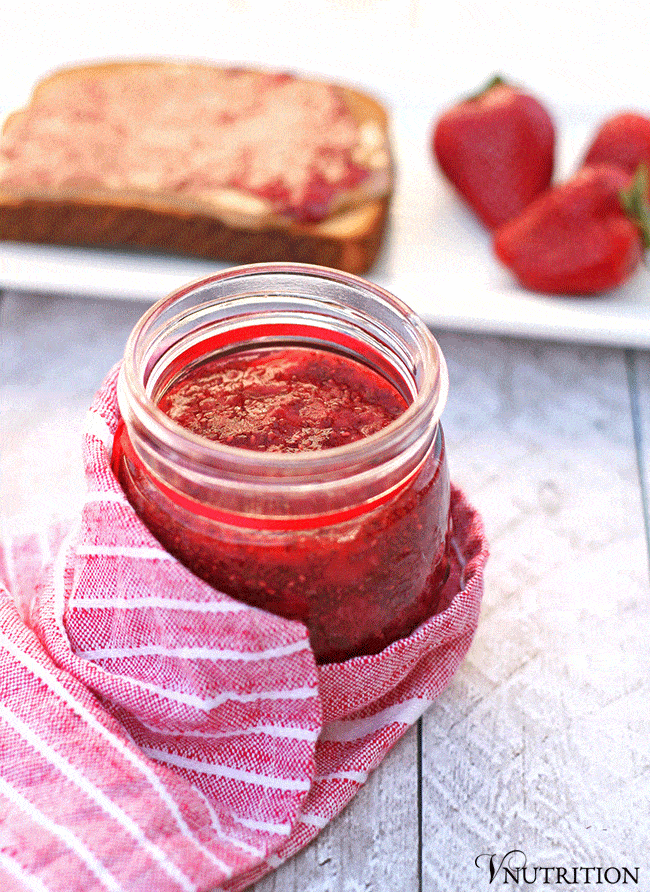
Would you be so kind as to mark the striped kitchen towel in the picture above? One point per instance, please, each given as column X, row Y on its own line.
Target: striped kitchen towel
column 156, row 734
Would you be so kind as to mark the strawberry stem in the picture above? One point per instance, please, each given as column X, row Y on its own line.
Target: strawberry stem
column 496, row 80
column 634, row 201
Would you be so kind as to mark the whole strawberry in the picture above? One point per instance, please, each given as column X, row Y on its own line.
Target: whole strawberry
column 623, row 140
column 497, row 149
column 584, row 236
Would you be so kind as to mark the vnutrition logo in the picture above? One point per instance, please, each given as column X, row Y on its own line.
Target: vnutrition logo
column 513, row 869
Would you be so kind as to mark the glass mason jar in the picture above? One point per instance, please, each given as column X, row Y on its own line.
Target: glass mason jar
column 350, row 540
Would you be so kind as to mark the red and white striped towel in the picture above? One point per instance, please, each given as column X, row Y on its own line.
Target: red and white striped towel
column 155, row 734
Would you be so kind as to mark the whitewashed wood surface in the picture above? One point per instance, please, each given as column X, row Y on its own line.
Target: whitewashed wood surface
column 542, row 741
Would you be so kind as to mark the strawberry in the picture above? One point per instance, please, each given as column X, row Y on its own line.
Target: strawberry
column 623, row 140
column 497, row 149
column 584, row 236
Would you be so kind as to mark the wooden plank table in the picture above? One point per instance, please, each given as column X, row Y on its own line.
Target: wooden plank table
column 541, row 743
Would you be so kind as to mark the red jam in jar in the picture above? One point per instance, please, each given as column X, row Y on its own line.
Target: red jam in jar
column 288, row 399
column 280, row 436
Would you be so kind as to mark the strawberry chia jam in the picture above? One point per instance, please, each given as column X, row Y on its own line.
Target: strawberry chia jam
column 291, row 399
column 280, row 436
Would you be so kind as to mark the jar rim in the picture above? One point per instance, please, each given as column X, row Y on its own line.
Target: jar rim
column 424, row 410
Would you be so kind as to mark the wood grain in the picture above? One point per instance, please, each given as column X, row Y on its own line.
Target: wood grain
column 541, row 741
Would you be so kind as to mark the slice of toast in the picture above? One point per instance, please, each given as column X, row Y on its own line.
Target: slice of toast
column 233, row 164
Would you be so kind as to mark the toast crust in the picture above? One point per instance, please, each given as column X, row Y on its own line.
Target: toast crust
column 227, row 224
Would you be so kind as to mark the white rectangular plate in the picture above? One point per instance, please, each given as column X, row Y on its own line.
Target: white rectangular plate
column 437, row 258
